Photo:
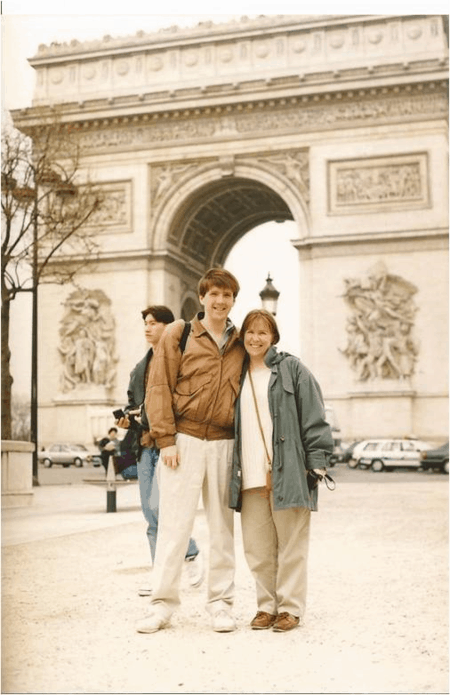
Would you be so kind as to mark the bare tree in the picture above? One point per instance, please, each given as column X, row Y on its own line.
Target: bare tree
column 48, row 230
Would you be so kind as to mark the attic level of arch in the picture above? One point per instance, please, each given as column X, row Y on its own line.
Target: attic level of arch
column 298, row 91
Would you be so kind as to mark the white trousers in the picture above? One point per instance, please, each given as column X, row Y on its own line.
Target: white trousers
column 276, row 546
column 205, row 466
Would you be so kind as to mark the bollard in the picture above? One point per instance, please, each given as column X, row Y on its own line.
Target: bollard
column 111, row 487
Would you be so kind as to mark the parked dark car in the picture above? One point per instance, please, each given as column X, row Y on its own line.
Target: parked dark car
column 435, row 458
column 347, row 453
column 343, row 453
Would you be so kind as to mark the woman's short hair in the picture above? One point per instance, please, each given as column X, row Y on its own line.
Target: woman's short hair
column 218, row 277
column 161, row 314
column 266, row 317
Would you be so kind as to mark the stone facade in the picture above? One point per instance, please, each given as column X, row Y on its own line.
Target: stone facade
column 196, row 136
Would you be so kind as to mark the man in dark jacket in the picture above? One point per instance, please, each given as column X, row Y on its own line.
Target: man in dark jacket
column 156, row 318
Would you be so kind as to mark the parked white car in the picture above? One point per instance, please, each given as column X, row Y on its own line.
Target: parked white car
column 382, row 454
column 67, row 454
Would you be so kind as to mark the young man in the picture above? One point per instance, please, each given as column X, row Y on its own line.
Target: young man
column 190, row 404
column 156, row 319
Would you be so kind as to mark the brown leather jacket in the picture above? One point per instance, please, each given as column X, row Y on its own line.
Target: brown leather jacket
column 193, row 393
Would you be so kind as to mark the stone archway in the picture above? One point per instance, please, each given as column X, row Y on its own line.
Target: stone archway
column 339, row 123
column 207, row 210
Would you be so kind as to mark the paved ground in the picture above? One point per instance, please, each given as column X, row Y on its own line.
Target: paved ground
column 377, row 608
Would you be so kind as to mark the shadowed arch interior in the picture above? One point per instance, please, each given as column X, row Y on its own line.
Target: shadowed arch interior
column 216, row 216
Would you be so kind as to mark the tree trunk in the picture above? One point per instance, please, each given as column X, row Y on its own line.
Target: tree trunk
column 7, row 379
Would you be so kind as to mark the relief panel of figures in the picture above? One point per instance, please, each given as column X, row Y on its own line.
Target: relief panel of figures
column 380, row 328
column 87, row 341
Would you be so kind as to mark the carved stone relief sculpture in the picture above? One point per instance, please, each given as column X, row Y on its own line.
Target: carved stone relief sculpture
column 304, row 117
column 114, row 215
column 87, row 341
column 295, row 166
column 380, row 343
column 164, row 177
column 376, row 184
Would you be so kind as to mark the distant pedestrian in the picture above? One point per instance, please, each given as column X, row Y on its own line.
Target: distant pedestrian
column 281, row 434
column 109, row 446
column 156, row 319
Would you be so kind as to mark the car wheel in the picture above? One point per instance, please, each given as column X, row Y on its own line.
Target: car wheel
column 78, row 462
column 445, row 467
column 352, row 463
column 48, row 463
column 377, row 466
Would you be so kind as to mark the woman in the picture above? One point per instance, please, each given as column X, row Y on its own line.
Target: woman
column 287, row 426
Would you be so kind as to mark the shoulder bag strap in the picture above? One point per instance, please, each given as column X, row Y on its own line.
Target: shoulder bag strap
column 184, row 336
column 269, row 460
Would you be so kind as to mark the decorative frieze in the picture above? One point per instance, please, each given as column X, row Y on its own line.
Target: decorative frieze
column 380, row 342
column 87, row 341
column 306, row 116
column 353, row 111
column 377, row 184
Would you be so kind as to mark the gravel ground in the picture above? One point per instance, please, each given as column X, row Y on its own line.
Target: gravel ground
column 377, row 619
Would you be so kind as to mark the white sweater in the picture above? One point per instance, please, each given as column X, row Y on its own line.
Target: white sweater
column 254, row 458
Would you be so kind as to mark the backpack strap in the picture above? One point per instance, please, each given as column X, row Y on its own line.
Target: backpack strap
column 184, row 336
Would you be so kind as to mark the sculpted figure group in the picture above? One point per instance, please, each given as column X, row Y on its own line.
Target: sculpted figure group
column 380, row 343
column 87, row 341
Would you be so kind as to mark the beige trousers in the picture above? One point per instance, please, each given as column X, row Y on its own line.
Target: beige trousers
column 205, row 467
column 276, row 548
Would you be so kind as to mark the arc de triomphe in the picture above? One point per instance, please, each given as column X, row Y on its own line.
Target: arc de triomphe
column 196, row 136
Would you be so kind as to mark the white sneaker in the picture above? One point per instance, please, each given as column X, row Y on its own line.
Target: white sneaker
column 151, row 623
column 222, row 621
column 195, row 570
column 145, row 591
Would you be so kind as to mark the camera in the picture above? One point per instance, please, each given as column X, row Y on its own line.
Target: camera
column 118, row 414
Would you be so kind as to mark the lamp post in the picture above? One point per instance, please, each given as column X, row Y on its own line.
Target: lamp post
column 34, row 343
column 269, row 296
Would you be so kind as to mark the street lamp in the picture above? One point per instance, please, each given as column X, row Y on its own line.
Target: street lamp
column 269, row 296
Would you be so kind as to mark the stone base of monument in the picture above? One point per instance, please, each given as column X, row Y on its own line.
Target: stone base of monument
column 17, row 473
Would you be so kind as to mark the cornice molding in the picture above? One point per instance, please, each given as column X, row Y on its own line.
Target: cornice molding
column 330, row 109
column 322, row 242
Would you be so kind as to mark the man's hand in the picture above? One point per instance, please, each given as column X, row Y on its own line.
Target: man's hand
column 123, row 422
column 170, row 456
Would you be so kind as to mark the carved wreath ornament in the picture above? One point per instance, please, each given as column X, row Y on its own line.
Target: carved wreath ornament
column 380, row 343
